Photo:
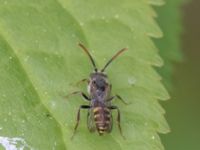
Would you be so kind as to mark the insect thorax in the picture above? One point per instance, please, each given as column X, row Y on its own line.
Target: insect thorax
column 99, row 87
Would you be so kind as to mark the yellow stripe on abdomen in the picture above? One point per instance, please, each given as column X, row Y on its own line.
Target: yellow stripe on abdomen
column 96, row 110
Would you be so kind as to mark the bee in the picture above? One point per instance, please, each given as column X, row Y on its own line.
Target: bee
column 99, row 117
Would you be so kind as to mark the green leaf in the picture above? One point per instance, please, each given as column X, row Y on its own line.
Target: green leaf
column 40, row 61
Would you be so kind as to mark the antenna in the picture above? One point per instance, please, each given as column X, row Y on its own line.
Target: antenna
column 117, row 54
column 87, row 52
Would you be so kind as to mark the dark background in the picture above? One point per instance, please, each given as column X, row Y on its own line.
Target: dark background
column 183, row 109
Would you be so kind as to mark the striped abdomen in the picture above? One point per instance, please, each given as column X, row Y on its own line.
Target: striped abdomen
column 103, row 119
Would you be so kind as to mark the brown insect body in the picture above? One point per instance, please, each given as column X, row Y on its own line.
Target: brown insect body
column 99, row 89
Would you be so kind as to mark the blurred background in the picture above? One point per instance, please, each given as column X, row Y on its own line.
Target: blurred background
column 183, row 109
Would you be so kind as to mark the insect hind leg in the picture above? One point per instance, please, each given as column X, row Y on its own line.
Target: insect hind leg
column 118, row 119
column 78, row 118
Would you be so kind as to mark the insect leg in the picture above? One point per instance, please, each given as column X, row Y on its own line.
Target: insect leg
column 81, row 81
column 77, row 93
column 118, row 119
column 78, row 117
column 119, row 97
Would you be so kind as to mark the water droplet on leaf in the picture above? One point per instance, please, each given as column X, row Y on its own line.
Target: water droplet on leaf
column 116, row 16
column 131, row 81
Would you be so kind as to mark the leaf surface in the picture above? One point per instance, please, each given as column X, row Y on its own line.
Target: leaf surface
column 41, row 62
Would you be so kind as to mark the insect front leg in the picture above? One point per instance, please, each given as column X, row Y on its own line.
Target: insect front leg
column 118, row 119
column 81, row 81
column 79, row 93
column 119, row 97
column 78, row 117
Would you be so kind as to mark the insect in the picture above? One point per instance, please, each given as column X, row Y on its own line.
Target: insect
column 99, row 117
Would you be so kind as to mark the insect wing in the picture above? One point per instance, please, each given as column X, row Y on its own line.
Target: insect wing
column 90, row 122
column 110, row 124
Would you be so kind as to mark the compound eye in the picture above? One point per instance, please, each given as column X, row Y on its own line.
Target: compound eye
column 93, row 82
